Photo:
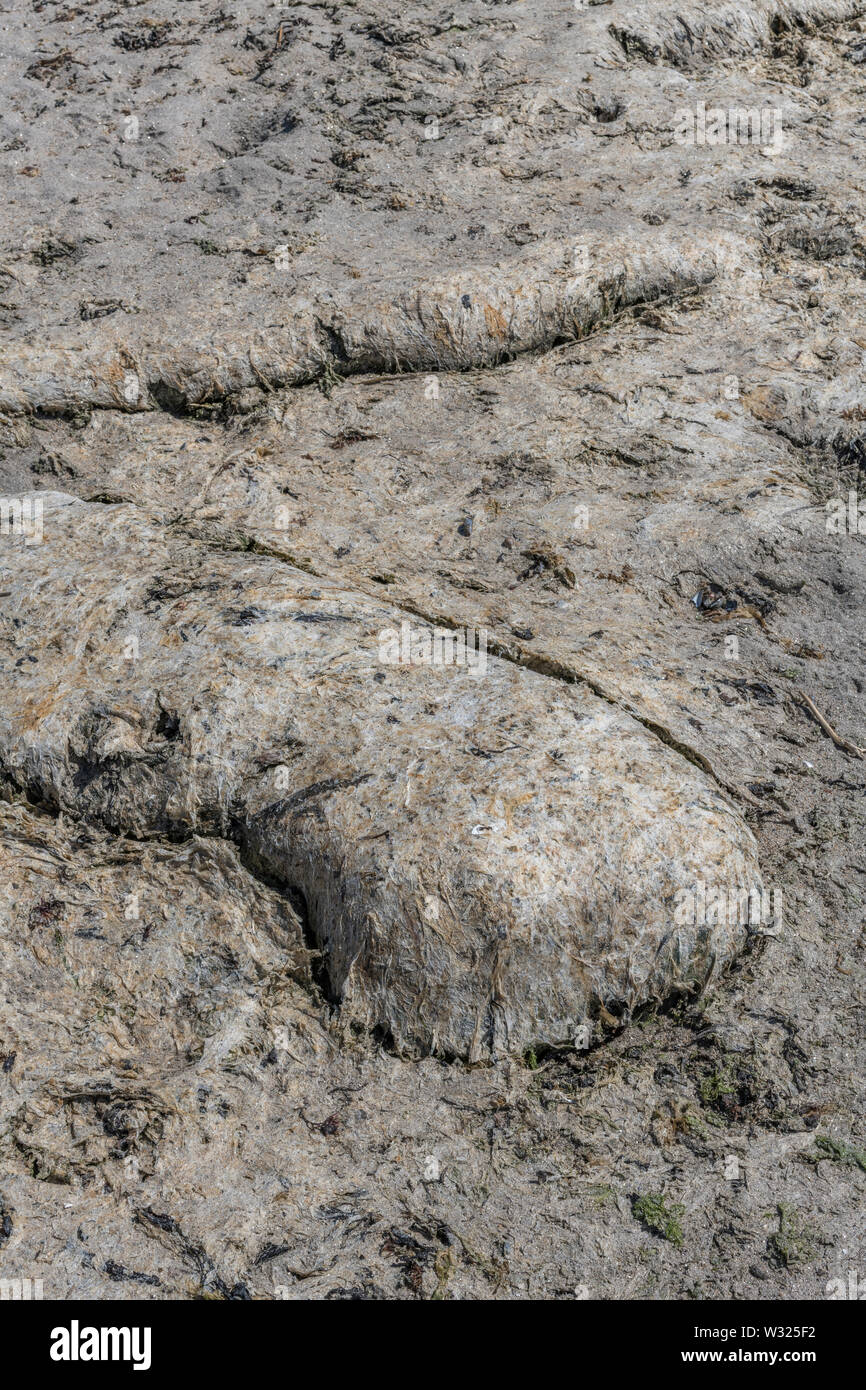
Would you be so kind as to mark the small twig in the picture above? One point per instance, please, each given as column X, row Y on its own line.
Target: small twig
column 840, row 742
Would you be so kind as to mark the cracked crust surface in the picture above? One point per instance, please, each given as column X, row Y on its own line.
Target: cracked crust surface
column 321, row 322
